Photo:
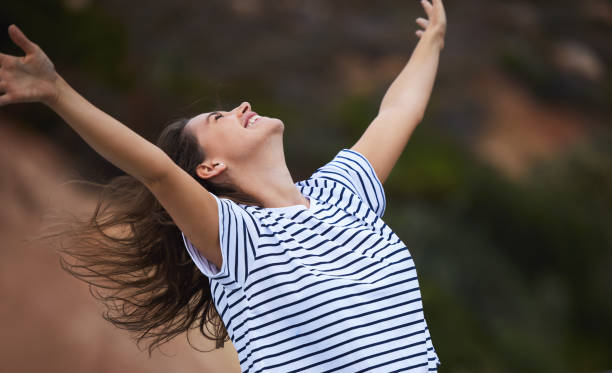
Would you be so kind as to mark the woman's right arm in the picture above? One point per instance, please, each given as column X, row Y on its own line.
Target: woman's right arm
column 33, row 78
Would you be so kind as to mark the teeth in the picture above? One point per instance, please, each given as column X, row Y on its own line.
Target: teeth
column 252, row 120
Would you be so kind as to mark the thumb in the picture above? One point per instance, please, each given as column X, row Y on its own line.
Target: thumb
column 21, row 40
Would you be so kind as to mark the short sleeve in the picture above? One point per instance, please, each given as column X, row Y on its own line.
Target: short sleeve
column 238, row 233
column 353, row 171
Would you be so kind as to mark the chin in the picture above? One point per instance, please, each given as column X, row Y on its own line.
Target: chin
column 281, row 124
column 274, row 124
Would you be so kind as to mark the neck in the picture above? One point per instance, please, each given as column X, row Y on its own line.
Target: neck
column 272, row 186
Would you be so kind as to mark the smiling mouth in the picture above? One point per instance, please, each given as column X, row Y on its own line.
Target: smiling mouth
column 252, row 119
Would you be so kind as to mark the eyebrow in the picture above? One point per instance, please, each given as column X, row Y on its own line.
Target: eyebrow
column 209, row 115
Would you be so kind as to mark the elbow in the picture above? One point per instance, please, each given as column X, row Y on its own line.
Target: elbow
column 417, row 115
column 420, row 117
column 149, row 180
column 158, row 170
column 408, row 110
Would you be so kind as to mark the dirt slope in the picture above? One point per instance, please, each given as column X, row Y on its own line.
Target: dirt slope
column 49, row 321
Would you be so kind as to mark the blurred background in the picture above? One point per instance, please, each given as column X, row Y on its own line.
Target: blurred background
column 503, row 194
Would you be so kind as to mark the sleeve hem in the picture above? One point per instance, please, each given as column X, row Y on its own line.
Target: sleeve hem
column 207, row 268
column 379, row 184
column 223, row 269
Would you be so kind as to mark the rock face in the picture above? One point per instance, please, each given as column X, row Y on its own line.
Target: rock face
column 519, row 130
column 49, row 321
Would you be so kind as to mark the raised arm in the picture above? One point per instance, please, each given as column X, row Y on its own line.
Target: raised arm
column 404, row 103
column 33, row 78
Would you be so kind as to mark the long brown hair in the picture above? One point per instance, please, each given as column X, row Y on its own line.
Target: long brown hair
column 131, row 254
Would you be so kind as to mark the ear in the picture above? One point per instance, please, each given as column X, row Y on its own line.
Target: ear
column 210, row 169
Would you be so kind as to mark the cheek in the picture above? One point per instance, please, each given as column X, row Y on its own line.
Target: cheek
column 230, row 144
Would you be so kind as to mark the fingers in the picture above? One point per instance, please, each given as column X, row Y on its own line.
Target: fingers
column 427, row 6
column 435, row 14
column 5, row 97
column 422, row 22
column 6, row 60
column 21, row 40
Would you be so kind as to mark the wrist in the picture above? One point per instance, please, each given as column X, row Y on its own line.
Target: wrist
column 57, row 91
column 435, row 37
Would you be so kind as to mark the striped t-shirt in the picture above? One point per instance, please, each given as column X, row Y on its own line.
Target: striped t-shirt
column 328, row 288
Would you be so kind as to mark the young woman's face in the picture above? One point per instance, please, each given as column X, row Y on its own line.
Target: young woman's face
column 235, row 136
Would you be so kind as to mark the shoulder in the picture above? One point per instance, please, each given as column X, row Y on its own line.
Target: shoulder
column 352, row 171
column 235, row 215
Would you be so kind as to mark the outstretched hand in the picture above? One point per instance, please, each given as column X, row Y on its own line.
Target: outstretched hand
column 436, row 24
column 31, row 78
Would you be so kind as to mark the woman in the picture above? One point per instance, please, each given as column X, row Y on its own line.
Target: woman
column 302, row 276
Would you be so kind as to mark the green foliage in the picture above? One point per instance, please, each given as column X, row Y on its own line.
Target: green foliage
column 523, row 268
column 355, row 112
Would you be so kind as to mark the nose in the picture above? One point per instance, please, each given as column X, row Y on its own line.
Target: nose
column 243, row 108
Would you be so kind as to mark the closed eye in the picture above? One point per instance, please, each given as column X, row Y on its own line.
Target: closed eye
column 218, row 115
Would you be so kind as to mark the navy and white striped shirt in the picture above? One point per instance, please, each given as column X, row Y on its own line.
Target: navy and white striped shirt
column 329, row 288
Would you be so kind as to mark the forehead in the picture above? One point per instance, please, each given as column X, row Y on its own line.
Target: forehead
column 199, row 122
column 199, row 119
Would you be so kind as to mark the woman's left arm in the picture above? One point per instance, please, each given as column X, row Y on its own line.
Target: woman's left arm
column 403, row 106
